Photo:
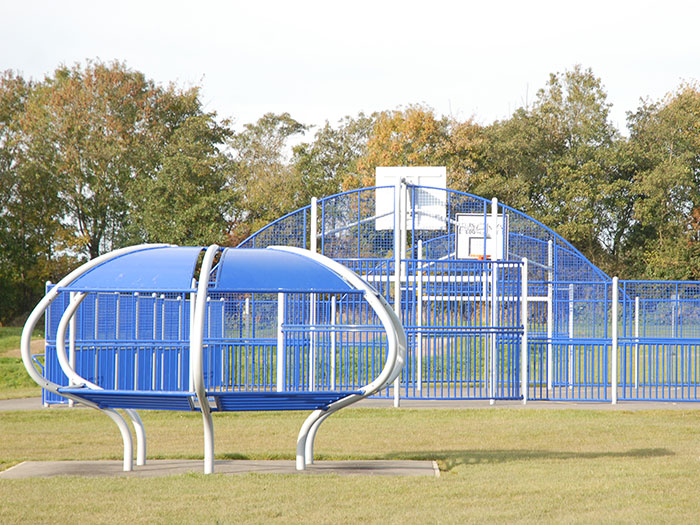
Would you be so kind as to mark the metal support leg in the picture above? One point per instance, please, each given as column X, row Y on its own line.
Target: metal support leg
column 303, row 436
column 126, row 438
column 309, row 448
column 140, row 432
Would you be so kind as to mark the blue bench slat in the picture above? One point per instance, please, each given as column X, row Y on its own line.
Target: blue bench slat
column 251, row 401
column 227, row 401
column 137, row 399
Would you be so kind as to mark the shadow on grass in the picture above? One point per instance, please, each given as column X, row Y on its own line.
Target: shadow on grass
column 449, row 459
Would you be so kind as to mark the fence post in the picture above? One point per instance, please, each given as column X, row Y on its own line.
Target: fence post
column 550, row 314
column 71, row 344
column 313, row 233
column 523, row 349
column 614, row 341
column 571, row 336
column 419, row 321
column 333, row 341
column 493, row 343
column 636, row 342
column 280, row 342
column 494, row 298
column 193, row 300
column 399, row 224
column 312, row 342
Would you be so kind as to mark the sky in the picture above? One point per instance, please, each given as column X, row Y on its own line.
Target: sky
column 323, row 60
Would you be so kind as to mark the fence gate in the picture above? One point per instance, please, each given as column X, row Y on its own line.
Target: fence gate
column 463, row 321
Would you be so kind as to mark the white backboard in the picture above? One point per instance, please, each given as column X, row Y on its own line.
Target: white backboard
column 430, row 204
column 470, row 236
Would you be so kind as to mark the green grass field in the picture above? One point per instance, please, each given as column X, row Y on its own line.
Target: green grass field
column 14, row 380
column 498, row 465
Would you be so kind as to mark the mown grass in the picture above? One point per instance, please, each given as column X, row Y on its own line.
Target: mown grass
column 498, row 465
column 14, row 380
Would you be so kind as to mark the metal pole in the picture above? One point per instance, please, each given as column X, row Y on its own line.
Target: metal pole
column 136, row 337
column 494, row 224
column 116, row 350
column 333, row 341
column 162, row 317
column 193, row 303
column 614, row 340
column 571, row 336
column 97, row 315
column 312, row 342
column 71, row 345
column 399, row 223
column 636, row 342
column 162, row 336
column 223, row 335
column 280, row 341
column 494, row 307
column 155, row 331
column 419, row 321
column 179, row 338
column 550, row 314
column 246, row 316
column 155, row 314
column 524, row 349
column 492, row 335
column 313, row 233
column 116, row 330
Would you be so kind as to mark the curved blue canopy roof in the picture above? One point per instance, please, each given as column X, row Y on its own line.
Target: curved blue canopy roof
column 161, row 268
column 172, row 268
column 271, row 270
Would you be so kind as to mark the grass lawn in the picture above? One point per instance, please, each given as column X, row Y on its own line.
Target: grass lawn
column 14, row 380
column 498, row 464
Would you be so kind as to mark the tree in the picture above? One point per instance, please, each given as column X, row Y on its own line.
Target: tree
column 557, row 161
column 29, row 233
column 329, row 164
column 266, row 185
column 665, row 141
column 187, row 199
column 96, row 157
column 89, row 129
column 410, row 137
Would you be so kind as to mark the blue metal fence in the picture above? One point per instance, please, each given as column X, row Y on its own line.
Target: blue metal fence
column 463, row 315
column 570, row 345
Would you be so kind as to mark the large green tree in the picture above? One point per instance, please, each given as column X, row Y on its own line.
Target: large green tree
column 95, row 157
column 266, row 184
column 557, row 160
column 665, row 143
column 89, row 130
column 329, row 163
column 186, row 198
column 30, row 235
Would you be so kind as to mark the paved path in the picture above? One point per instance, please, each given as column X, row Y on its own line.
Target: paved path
column 166, row 467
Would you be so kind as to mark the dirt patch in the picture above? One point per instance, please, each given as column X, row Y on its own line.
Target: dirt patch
column 37, row 347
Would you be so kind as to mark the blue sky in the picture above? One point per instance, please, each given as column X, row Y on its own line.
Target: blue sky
column 323, row 60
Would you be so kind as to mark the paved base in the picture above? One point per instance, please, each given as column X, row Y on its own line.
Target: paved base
column 165, row 467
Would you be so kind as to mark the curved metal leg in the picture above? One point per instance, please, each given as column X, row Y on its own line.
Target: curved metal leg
column 303, row 435
column 208, row 442
column 140, row 432
column 126, row 438
column 309, row 448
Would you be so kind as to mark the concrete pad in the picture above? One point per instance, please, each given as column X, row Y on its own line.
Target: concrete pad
column 23, row 403
column 167, row 467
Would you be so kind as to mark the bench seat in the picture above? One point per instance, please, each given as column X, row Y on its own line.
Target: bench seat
column 219, row 401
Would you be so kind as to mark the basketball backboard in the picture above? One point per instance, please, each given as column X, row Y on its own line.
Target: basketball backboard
column 429, row 205
column 470, row 236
